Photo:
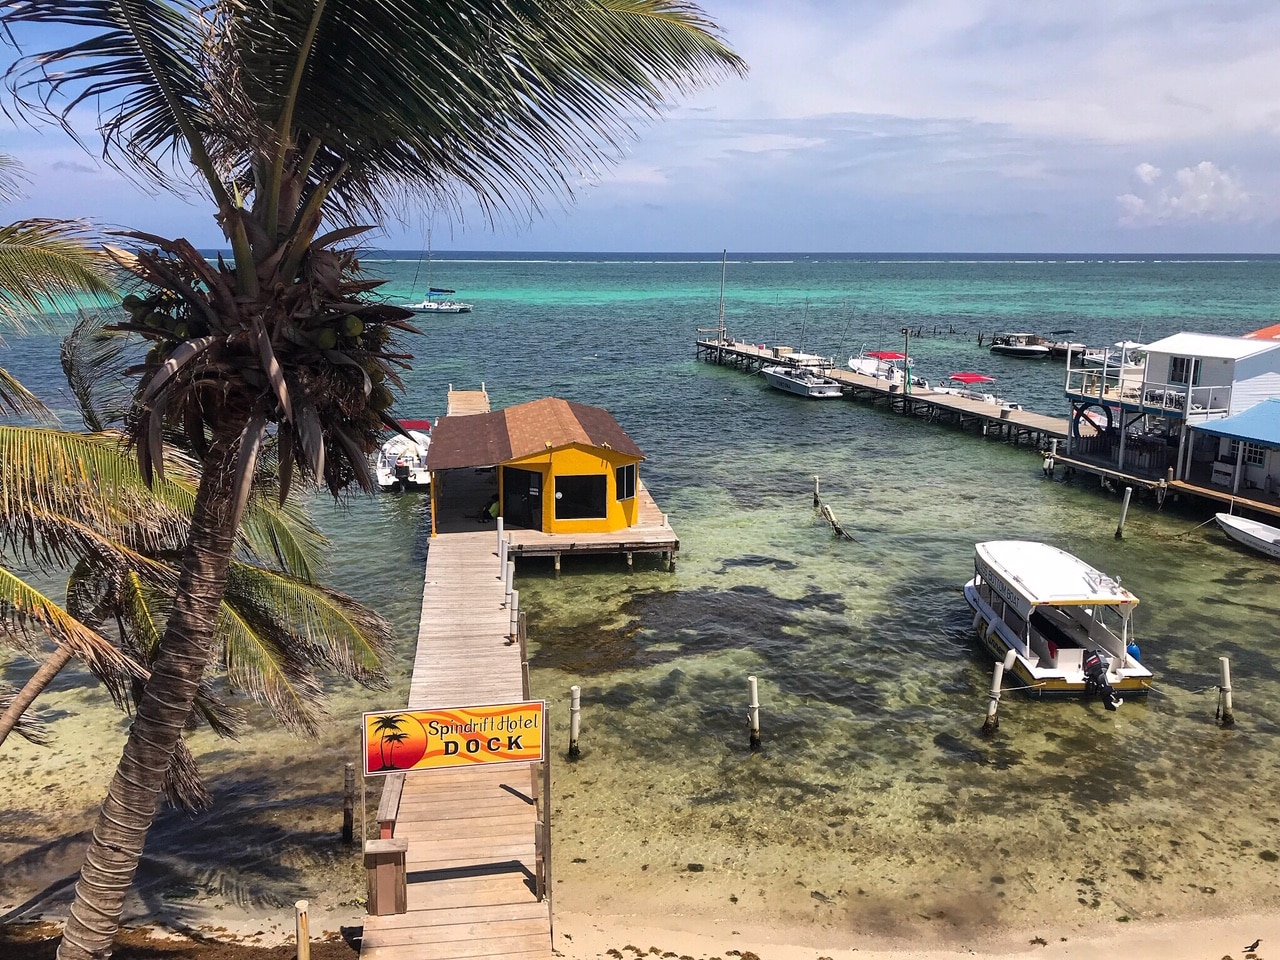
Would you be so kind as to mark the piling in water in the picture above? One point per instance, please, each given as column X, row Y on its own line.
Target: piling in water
column 575, row 715
column 1124, row 512
column 349, row 804
column 1225, row 713
column 753, row 712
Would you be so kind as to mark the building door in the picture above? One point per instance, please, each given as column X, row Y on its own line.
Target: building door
column 522, row 498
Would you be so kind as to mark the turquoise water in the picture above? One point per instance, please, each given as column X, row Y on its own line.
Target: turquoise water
column 875, row 805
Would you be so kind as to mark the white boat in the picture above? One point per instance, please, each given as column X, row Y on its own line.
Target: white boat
column 1064, row 624
column 1020, row 345
column 881, row 364
column 1252, row 533
column 968, row 385
column 439, row 299
column 401, row 463
column 433, row 305
column 802, row 381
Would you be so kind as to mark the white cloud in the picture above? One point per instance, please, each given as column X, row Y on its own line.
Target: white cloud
column 1199, row 193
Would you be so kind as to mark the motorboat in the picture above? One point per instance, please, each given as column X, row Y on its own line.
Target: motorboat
column 1062, row 349
column 802, row 381
column 881, row 364
column 970, row 386
column 1059, row 625
column 1252, row 533
column 438, row 301
column 1020, row 345
column 401, row 463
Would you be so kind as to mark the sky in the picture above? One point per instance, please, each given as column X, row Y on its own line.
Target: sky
column 966, row 126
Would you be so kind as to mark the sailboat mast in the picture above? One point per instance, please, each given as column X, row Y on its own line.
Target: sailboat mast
column 724, row 259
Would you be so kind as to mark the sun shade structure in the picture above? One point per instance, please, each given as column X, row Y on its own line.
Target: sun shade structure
column 563, row 467
column 1260, row 424
column 969, row 378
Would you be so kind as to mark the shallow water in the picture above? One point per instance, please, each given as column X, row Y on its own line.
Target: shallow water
column 875, row 804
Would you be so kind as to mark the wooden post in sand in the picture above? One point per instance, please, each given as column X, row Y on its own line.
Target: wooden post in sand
column 302, row 929
column 349, row 804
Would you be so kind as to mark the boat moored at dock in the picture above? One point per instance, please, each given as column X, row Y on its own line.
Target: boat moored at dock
column 401, row 463
column 1254, row 534
column 1065, row 624
column 1021, row 345
column 802, row 381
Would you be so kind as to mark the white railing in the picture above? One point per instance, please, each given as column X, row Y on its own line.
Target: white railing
column 1130, row 387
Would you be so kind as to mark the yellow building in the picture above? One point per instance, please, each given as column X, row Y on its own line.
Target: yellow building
column 563, row 467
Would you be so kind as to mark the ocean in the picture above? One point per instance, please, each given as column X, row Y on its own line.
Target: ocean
column 875, row 805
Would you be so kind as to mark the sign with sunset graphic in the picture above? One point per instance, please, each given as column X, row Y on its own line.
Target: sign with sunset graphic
column 453, row 737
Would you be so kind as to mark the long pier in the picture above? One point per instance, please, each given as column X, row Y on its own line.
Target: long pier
column 1014, row 426
column 478, row 883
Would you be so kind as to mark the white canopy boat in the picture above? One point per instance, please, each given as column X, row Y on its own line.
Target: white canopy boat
column 1065, row 623
column 881, row 364
column 1252, row 533
column 401, row 463
column 968, row 385
column 803, row 381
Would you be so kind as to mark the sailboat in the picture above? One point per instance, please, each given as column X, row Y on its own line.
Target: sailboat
column 439, row 299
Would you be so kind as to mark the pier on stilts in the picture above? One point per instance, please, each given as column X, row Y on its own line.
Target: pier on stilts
column 477, row 856
column 1012, row 426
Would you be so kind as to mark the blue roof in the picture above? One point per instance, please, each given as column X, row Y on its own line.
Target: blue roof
column 1259, row 424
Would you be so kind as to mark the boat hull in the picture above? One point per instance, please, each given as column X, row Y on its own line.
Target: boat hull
column 401, row 463
column 1031, row 352
column 802, row 383
column 1253, row 534
column 1128, row 679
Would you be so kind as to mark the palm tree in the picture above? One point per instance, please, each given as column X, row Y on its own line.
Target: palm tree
column 293, row 116
column 385, row 727
column 77, row 500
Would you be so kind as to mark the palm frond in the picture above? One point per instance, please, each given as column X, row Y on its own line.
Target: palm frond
column 279, row 629
column 17, row 399
column 94, row 360
column 22, row 607
column 46, row 265
column 32, row 729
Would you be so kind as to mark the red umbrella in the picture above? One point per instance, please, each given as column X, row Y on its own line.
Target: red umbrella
column 969, row 378
column 887, row 355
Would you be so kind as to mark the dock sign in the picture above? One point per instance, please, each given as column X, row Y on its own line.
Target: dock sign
column 453, row 737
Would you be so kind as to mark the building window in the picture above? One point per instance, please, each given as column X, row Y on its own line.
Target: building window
column 581, row 498
column 625, row 478
column 1253, row 453
column 1185, row 370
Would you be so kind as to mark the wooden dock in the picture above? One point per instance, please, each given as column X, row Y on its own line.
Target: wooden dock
column 1013, row 426
column 473, row 858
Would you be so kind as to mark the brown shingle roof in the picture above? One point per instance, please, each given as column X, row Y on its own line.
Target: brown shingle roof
column 483, row 440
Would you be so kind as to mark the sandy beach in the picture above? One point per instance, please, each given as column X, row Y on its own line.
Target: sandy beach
column 596, row 937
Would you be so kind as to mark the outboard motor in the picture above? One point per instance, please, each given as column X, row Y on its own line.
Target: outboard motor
column 1095, row 679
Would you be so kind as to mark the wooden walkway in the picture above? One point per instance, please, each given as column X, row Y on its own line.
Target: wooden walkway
column 471, row 832
column 1015, row 426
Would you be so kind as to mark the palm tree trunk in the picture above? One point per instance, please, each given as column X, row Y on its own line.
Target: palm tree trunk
column 130, row 806
column 32, row 689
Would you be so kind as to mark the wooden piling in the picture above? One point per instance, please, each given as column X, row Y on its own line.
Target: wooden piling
column 302, row 929
column 1224, row 694
column 753, row 712
column 575, row 714
column 992, row 723
column 349, row 804
column 1124, row 512
column 817, row 497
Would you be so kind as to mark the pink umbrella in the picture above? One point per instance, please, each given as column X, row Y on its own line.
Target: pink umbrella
column 970, row 378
